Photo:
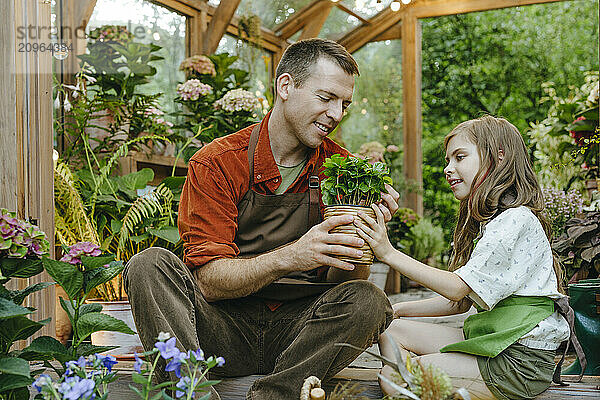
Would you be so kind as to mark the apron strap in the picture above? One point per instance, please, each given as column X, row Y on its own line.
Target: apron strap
column 314, row 209
column 566, row 311
column 251, row 148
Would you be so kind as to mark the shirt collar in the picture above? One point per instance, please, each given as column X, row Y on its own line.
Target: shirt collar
column 265, row 167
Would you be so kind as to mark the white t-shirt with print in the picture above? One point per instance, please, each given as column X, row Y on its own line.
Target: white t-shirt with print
column 513, row 257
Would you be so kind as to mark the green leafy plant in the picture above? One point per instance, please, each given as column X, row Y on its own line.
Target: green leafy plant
column 579, row 247
column 106, row 106
column 22, row 247
column 400, row 224
column 424, row 241
column 567, row 142
column 79, row 271
column 215, row 99
column 351, row 180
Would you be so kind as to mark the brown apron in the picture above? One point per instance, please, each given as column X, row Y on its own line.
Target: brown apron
column 266, row 222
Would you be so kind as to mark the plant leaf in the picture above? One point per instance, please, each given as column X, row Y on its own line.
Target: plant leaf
column 94, row 322
column 14, row 366
column 168, row 233
column 20, row 267
column 20, row 295
column 10, row 382
column 66, row 275
column 86, row 349
column 19, row 328
column 9, row 309
column 102, row 275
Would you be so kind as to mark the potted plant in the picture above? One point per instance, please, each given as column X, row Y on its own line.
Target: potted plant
column 352, row 185
column 214, row 97
column 579, row 247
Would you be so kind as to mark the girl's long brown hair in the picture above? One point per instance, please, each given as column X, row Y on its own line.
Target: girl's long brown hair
column 497, row 185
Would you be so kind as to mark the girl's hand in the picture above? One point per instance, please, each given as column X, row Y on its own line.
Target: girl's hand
column 375, row 233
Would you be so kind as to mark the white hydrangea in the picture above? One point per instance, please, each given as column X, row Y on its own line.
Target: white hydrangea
column 238, row 100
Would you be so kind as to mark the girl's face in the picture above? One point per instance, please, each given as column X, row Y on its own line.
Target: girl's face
column 463, row 164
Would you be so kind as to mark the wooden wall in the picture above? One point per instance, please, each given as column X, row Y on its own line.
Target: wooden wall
column 26, row 177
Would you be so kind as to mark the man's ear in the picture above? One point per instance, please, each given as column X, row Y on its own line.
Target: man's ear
column 500, row 155
column 284, row 84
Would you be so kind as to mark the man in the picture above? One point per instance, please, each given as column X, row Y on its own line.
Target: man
column 250, row 216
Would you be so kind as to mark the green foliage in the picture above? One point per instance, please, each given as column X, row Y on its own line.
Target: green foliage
column 579, row 247
column 202, row 116
column 424, row 240
column 107, row 106
column 400, row 225
column 351, row 180
column 567, row 142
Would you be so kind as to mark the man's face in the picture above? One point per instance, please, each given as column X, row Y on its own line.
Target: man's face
column 314, row 109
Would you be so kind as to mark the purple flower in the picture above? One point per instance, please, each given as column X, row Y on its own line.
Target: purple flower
column 41, row 381
column 185, row 385
column 167, row 349
column 198, row 354
column 220, row 361
column 138, row 363
column 175, row 364
column 81, row 249
column 75, row 388
column 108, row 361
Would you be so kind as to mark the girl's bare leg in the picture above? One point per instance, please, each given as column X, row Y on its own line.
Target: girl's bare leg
column 425, row 340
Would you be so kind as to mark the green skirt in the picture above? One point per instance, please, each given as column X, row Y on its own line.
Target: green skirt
column 518, row 372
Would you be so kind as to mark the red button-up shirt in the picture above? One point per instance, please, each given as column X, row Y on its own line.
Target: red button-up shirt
column 218, row 178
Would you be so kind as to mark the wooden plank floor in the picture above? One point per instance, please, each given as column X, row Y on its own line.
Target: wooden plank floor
column 235, row 388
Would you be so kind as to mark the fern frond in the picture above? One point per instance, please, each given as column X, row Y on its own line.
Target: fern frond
column 144, row 207
column 72, row 221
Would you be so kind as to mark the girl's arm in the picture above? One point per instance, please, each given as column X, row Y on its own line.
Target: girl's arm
column 445, row 283
column 435, row 307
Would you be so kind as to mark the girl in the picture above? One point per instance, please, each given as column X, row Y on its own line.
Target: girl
column 502, row 264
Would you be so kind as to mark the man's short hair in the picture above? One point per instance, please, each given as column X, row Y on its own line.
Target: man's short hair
column 299, row 58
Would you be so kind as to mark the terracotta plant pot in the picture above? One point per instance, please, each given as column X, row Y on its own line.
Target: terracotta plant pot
column 128, row 344
column 330, row 211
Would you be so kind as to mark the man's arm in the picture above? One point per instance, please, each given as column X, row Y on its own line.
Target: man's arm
column 237, row 277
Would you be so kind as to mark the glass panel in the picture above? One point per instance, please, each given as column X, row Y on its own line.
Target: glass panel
column 150, row 23
column 255, row 61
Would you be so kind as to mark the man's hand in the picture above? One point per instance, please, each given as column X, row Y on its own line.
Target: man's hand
column 316, row 247
column 389, row 202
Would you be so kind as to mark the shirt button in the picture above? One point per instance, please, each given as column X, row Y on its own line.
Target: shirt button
column 258, row 176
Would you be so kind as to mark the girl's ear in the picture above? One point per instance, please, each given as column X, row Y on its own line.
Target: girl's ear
column 500, row 155
column 284, row 84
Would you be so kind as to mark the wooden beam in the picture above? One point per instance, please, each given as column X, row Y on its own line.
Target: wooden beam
column 438, row 8
column 393, row 33
column 364, row 34
column 299, row 19
column 349, row 11
column 411, row 110
column 218, row 25
column 315, row 24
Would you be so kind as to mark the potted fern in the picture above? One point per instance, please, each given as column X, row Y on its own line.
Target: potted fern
column 352, row 185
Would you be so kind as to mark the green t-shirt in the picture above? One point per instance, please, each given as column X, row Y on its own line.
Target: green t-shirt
column 289, row 175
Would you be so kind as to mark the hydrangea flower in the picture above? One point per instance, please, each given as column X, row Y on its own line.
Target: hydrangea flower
column 192, row 89
column 198, row 64
column 81, row 249
column 237, row 100
column 115, row 33
column 20, row 239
